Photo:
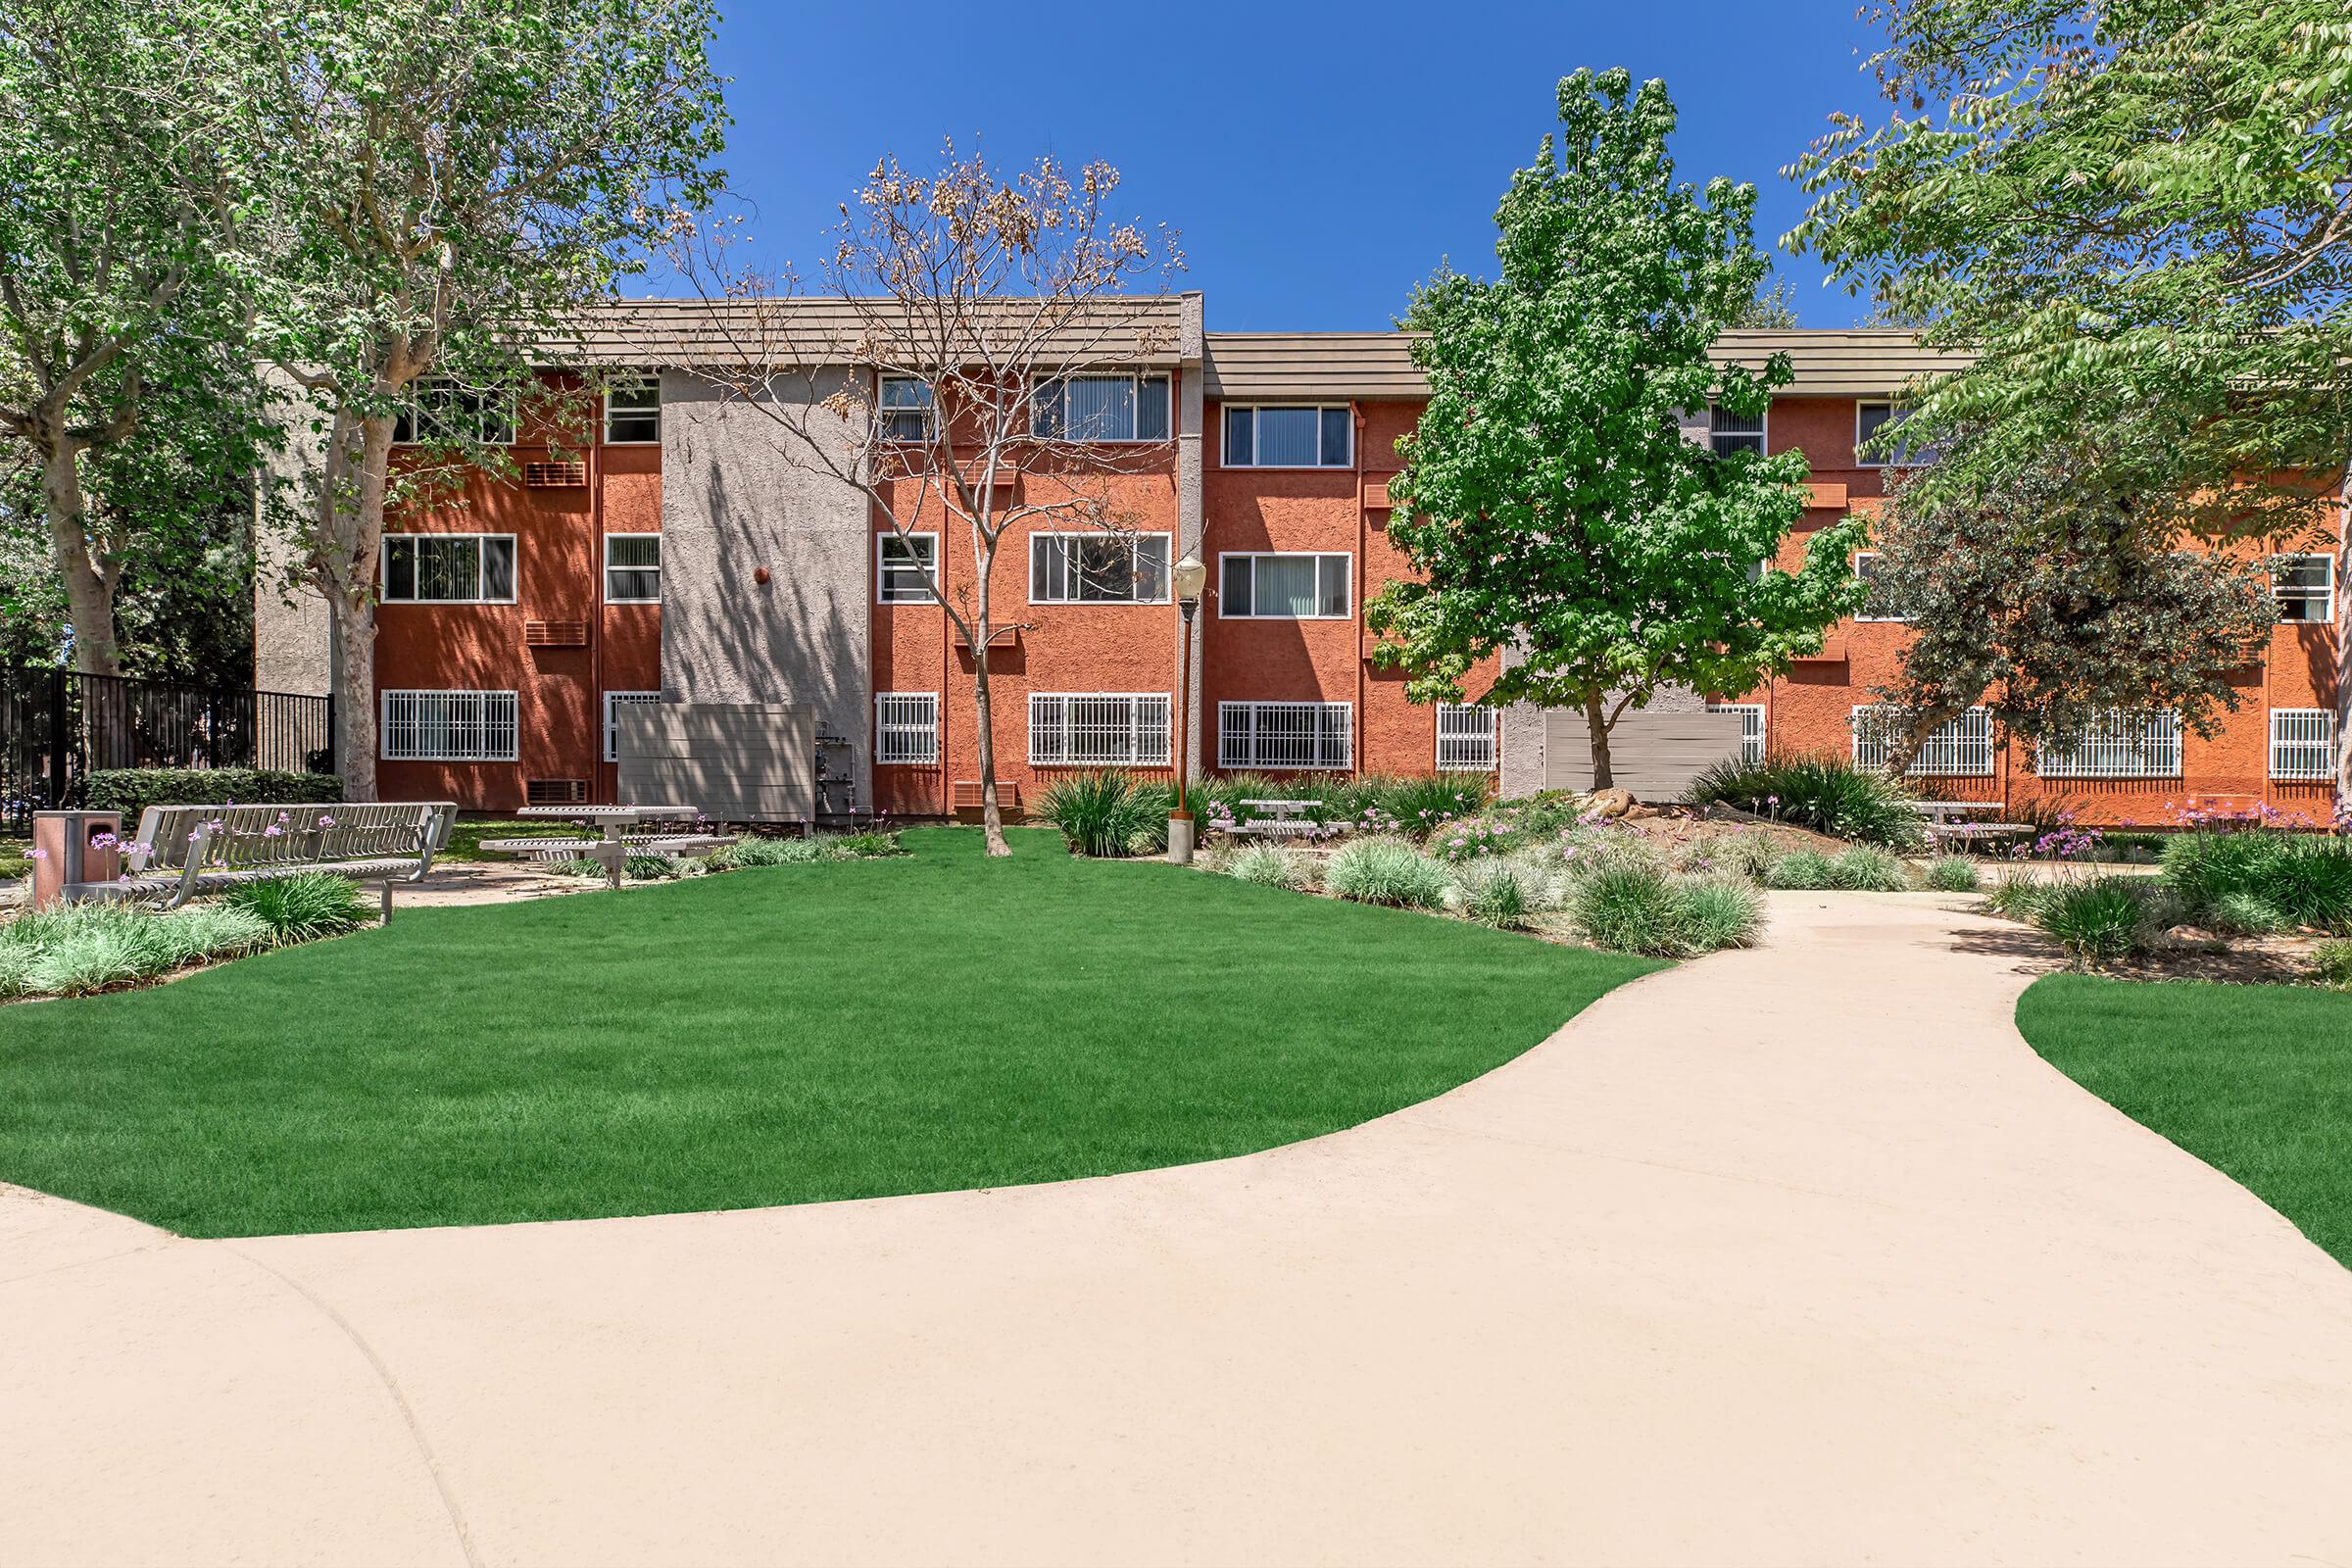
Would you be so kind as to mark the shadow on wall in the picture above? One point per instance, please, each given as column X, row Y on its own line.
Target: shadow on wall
column 743, row 502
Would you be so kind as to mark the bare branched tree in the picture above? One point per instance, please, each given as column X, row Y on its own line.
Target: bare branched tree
column 928, row 368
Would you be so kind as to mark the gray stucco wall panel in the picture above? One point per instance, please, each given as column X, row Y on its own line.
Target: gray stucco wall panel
column 739, row 491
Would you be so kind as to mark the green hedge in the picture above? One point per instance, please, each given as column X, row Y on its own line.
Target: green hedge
column 131, row 790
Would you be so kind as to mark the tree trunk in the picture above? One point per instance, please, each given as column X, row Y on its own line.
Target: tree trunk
column 1597, row 722
column 355, row 698
column 2343, row 652
column 350, row 533
column 992, row 816
column 89, row 586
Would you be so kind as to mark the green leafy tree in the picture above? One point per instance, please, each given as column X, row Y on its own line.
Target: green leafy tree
column 2048, row 601
column 1773, row 308
column 113, row 308
column 1551, row 502
column 437, row 191
column 2128, row 211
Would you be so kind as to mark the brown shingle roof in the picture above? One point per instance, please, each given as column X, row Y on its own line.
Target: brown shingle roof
column 1307, row 365
column 1142, row 329
column 1831, row 362
column 1840, row 360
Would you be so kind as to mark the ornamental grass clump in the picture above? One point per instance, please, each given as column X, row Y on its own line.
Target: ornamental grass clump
column 1386, row 871
column 1867, row 869
column 1802, row 870
column 1716, row 911
column 1107, row 813
column 84, row 948
column 302, row 906
column 1506, row 893
column 1635, row 909
column 1266, row 867
column 2307, row 878
column 2239, row 913
column 2331, row 965
column 2099, row 920
column 1952, row 873
column 1827, row 794
column 2018, row 895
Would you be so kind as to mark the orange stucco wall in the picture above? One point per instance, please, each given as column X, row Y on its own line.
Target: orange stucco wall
column 1136, row 647
column 558, row 575
column 1810, row 710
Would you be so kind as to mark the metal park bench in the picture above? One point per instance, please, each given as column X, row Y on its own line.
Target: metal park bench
column 182, row 851
column 1285, row 822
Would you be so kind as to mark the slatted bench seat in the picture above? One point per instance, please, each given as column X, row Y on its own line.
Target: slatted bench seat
column 182, row 851
column 1285, row 822
column 671, row 846
column 1944, row 829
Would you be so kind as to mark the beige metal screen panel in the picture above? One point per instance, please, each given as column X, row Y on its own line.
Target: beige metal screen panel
column 731, row 761
column 1656, row 755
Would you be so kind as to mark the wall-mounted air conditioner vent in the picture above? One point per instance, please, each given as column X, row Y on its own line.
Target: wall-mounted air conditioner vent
column 554, row 634
column 554, row 475
column 557, row 790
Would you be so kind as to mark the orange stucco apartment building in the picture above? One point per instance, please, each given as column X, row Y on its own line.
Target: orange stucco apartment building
column 679, row 555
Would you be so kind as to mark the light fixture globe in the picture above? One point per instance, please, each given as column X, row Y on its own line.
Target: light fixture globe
column 1189, row 579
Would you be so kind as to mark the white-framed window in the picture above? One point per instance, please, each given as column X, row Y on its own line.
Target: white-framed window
column 1303, row 436
column 2305, row 588
column 1871, row 418
column 633, row 413
column 904, row 569
column 907, row 727
column 1873, row 603
column 1100, row 406
column 2116, row 743
column 446, row 412
column 632, row 568
column 2302, row 744
column 615, row 702
column 449, row 569
column 1278, row 586
column 1729, row 432
column 1467, row 738
column 1317, row 735
column 1098, row 568
column 1751, row 727
column 421, row 727
column 1099, row 729
column 1960, row 748
column 905, row 410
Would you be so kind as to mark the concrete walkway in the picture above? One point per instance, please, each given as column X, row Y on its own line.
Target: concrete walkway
column 1794, row 1255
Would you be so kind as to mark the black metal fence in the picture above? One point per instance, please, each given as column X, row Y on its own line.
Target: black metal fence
column 57, row 728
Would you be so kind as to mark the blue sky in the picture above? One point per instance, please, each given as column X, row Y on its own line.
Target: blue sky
column 1317, row 158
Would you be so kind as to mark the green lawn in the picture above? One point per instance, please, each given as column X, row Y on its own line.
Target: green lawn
column 2254, row 1080
column 776, row 1036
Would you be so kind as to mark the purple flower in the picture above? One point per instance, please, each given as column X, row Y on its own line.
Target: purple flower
column 36, row 854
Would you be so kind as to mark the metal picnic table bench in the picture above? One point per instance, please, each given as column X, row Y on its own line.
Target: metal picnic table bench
column 182, row 851
column 613, row 849
column 1943, row 830
column 1285, row 820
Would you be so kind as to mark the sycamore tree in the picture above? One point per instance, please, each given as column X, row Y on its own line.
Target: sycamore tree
column 2127, row 211
column 963, row 363
column 112, row 311
column 1550, row 505
column 2048, row 601
column 435, row 193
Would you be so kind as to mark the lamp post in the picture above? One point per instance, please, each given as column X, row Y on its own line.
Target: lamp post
column 1188, row 578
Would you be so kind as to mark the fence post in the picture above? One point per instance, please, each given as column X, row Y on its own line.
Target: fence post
column 56, row 740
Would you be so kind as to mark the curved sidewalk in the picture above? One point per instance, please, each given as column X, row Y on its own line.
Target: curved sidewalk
column 1793, row 1255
